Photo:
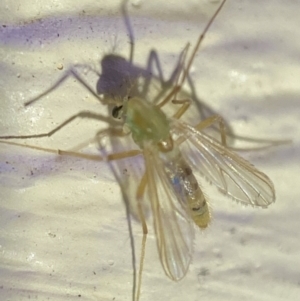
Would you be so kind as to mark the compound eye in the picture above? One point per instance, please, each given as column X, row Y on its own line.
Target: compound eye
column 117, row 112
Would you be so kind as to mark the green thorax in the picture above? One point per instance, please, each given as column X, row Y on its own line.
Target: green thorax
column 146, row 122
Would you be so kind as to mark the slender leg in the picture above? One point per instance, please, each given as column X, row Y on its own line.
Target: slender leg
column 43, row 149
column 185, row 105
column 210, row 121
column 109, row 157
column 139, row 195
column 224, row 134
column 179, row 69
column 153, row 61
column 186, row 70
column 83, row 114
column 206, row 123
column 196, row 48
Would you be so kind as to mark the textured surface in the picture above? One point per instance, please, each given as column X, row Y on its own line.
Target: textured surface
column 63, row 227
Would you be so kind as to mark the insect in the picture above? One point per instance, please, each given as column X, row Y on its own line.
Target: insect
column 175, row 153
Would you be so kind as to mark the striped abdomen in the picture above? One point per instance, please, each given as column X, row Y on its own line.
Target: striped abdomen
column 184, row 182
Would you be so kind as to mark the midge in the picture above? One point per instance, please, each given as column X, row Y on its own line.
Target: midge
column 174, row 154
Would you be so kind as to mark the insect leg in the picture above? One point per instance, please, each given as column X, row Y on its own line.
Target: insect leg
column 139, row 194
column 165, row 84
column 186, row 70
column 152, row 60
column 48, row 150
column 92, row 157
column 83, row 114
column 210, row 121
column 218, row 119
column 185, row 105
column 207, row 123
column 196, row 48
column 174, row 79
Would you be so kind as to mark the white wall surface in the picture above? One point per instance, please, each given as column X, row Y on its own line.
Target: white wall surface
column 63, row 226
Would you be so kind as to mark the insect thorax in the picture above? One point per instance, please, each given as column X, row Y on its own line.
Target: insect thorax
column 146, row 122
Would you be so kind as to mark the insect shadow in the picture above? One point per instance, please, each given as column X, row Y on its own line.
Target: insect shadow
column 121, row 77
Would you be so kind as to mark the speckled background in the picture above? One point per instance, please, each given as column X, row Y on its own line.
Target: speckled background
column 63, row 227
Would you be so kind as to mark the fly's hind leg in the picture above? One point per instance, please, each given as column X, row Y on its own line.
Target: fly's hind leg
column 153, row 62
column 210, row 121
column 186, row 70
column 139, row 194
column 207, row 123
column 185, row 104
column 118, row 132
column 175, row 79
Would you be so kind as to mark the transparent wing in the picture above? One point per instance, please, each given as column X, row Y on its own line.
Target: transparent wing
column 233, row 175
column 172, row 220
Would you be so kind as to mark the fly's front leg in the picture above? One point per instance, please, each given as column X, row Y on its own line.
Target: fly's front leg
column 206, row 123
column 139, row 195
column 185, row 70
column 43, row 149
column 185, row 104
column 83, row 114
column 175, row 79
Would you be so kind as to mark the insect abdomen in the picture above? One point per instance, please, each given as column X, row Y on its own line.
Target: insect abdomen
column 184, row 182
column 195, row 198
